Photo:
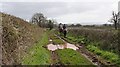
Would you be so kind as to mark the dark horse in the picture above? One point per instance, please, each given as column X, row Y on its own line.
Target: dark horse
column 62, row 29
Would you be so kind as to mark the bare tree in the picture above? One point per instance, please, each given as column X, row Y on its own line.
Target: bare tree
column 39, row 19
column 114, row 19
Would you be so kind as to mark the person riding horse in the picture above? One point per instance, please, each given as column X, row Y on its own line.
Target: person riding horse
column 62, row 29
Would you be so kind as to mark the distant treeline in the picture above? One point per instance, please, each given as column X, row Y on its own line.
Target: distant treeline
column 42, row 21
column 79, row 25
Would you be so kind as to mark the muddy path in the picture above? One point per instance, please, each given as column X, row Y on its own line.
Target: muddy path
column 82, row 51
column 55, row 58
column 54, row 55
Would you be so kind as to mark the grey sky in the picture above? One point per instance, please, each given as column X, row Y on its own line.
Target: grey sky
column 84, row 12
column 119, row 6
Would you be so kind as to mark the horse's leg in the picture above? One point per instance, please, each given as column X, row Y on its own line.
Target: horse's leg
column 61, row 31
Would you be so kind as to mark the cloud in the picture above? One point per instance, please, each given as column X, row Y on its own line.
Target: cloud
column 59, row 0
column 85, row 12
column 119, row 6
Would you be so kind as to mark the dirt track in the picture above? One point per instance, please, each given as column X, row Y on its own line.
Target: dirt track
column 54, row 55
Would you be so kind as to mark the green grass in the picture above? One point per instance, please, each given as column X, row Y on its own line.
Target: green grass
column 37, row 54
column 112, row 57
column 76, row 39
column 55, row 39
column 71, row 57
column 58, row 41
column 52, row 36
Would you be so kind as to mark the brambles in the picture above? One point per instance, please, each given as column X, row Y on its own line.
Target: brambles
column 106, row 39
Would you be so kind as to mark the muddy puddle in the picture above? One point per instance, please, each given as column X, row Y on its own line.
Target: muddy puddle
column 53, row 47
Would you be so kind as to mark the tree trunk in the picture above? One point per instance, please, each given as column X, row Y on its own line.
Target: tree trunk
column 115, row 24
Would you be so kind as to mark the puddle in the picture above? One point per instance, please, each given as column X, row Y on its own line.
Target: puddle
column 71, row 46
column 52, row 47
column 67, row 45
column 60, row 46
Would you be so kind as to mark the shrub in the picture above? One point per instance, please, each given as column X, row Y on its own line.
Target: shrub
column 106, row 39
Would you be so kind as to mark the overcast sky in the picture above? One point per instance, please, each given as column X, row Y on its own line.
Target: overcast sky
column 69, row 11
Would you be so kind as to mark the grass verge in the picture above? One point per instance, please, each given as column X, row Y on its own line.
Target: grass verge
column 112, row 57
column 38, row 55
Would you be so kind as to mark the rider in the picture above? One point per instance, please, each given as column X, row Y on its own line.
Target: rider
column 60, row 28
column 64, row 30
